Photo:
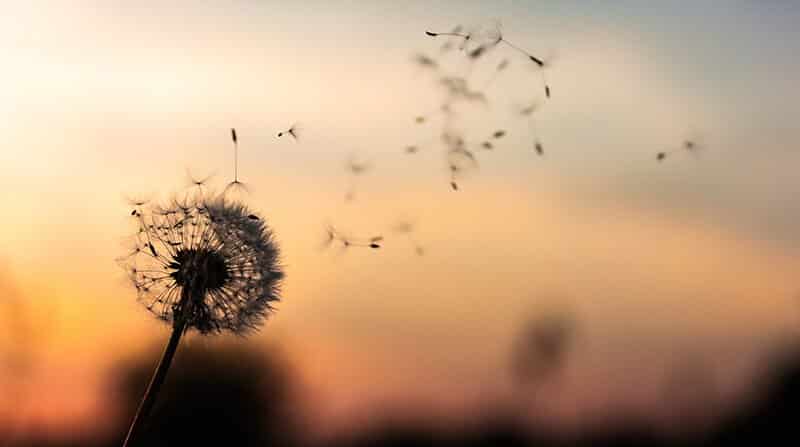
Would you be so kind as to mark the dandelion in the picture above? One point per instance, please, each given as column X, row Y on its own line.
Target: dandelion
column 210, row 265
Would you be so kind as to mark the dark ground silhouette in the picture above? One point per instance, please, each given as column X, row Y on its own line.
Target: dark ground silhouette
column 238, row 397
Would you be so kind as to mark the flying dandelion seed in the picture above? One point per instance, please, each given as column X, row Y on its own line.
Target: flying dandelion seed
column 527, row 111
column 692, row 145
column 501, row 67
column 449, row 44
column 460, row 162
column 425, row 61
column 464, row 37
column 490, row 34
column 198, row 182
column 334, row 236
column 498, row 134
column 210, row 265
column 407, row 229
column 458, row 88
column 293, row 130
column 236, row 186
column 487, row 145
column 355, row 168
column 478, row 52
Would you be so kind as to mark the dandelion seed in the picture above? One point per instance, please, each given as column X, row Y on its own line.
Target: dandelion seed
column 694, row 144
column 198, row 182
column 477, row 52
column 527, row 111
column 691, row 146
column 419, row 120
column 412, row 149
column 221, row 275
column 498, row 134
column 137, row 202
column 335, row 236
column 537, row 146
column 293, row 130
column 355, row 168
column 448, row 44
column 460, row 162
column 499, row 69
column 425, row 61
column 487, row 145
column 407, row 229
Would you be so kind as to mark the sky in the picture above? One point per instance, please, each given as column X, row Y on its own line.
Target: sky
column 657, row 261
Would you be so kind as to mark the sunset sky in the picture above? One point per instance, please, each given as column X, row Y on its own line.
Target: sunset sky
column 656, row 261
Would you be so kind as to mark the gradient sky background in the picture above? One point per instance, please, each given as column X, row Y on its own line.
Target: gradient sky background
column 656, row 261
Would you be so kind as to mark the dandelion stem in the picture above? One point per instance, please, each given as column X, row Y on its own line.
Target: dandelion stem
column 150, row 395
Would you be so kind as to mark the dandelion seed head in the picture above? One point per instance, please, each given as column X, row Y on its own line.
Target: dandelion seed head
column 211, row 262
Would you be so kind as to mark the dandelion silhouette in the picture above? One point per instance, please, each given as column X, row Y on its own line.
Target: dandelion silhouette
column 293, row 130
column 334, row 236
column 207, row 264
